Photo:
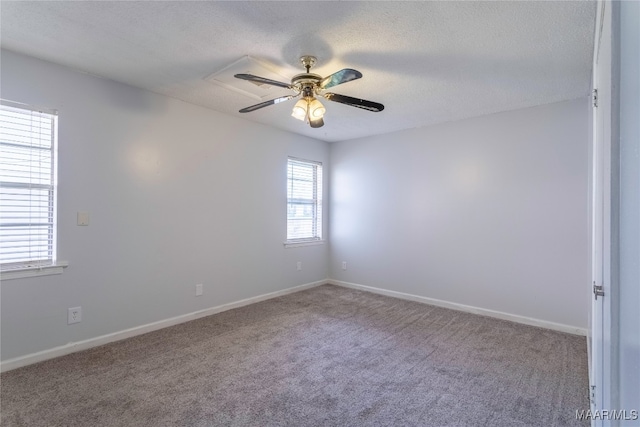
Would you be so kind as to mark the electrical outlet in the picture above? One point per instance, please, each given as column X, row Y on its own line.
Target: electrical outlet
column 344, row 265
column 199, row 289
column 74, row 315
column 299, row 265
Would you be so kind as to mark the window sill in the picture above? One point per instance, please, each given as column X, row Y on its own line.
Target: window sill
column 21, row 273
column 299, row 244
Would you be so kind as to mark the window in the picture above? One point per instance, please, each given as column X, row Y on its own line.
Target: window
column 304, row 201
column 27, row 187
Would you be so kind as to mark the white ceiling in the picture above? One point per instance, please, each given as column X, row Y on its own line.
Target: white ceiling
column 427, row 62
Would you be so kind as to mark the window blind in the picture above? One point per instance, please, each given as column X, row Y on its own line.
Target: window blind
column 27, row 187
column 304, row 200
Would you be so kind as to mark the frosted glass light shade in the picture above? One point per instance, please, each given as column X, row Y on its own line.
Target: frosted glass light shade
column 316, row 109
column 300, row 109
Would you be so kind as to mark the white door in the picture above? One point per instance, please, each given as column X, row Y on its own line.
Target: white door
column 600, row 369
column 597, row 207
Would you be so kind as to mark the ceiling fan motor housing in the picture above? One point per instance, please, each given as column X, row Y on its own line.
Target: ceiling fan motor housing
column 306, row 83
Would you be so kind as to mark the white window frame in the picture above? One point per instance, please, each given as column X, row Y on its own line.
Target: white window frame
column 316, row 237
column 36, row 265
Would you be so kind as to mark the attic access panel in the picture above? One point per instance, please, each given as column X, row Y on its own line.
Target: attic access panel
column 249, row 65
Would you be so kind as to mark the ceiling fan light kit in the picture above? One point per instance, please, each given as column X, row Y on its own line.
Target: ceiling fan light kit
column 307, row 86
column 308, row 109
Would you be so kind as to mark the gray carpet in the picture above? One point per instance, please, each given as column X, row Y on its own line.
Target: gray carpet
column 327, row 356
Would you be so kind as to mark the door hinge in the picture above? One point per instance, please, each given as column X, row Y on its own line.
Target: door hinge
column 593, row 394
column 595, row 98
column 598, row 291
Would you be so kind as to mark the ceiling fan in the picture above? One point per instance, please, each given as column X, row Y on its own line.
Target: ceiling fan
column 308, row 87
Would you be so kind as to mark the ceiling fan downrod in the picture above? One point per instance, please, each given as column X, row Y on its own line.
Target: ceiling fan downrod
column 308, row 61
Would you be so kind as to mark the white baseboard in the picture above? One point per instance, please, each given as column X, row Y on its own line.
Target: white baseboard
column 467, row 308
column 73, row 347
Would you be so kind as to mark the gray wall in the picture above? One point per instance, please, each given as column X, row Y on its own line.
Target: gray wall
column 178, row 195
column 490, row 212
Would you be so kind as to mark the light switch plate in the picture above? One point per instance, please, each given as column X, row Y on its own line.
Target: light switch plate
column 83, row 218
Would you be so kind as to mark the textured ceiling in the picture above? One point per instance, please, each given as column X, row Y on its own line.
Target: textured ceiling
column 427, row 62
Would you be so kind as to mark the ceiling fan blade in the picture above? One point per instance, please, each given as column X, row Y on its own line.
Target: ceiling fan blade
column 316, row 123
column 266, row 103
column 354, row 102
column 258, row 79
column 339, row 77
